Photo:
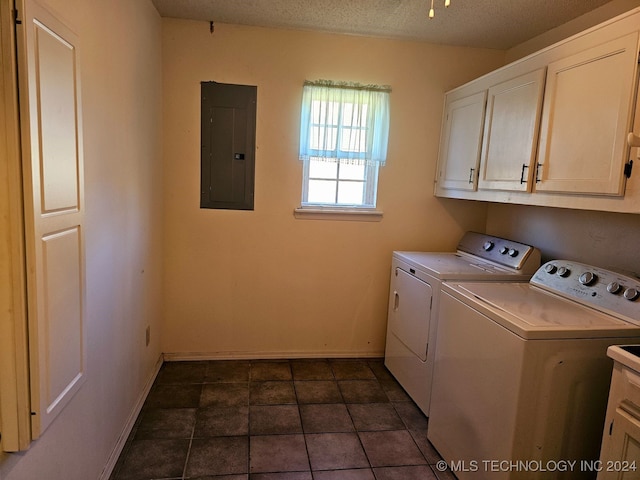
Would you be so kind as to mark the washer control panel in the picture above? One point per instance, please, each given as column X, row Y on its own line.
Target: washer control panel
column 615, row 293
column 509, row 253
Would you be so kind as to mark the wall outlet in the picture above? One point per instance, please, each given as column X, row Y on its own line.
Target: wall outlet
column 147, row 335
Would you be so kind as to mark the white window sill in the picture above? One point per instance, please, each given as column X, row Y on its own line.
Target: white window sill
column 338, row 213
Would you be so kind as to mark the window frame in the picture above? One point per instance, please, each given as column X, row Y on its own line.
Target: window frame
column 332, row 113
column 370, row 187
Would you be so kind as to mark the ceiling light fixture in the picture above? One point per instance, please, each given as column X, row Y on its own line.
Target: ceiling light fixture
column 432, row 12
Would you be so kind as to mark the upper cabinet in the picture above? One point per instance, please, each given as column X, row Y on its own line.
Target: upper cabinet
column 553, row 125
column 511, row 132
column 461, row 141
column 588, row 109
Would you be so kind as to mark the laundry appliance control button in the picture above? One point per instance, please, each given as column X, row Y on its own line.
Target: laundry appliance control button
column 614, row 287
column 588, row 278
column 631, row 294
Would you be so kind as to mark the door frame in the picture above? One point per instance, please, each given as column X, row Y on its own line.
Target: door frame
column 15, row 410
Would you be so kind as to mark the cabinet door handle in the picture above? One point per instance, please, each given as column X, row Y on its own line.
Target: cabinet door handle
column 522, row 180
column 471, row 170
column 538, row 166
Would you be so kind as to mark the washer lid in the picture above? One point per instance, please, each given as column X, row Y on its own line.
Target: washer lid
column 533, row 313
column 459, row 266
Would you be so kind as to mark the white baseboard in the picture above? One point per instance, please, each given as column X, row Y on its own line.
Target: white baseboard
column 122, row 439
column 178, row 356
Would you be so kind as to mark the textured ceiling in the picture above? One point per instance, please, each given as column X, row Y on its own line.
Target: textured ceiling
column 499, row 24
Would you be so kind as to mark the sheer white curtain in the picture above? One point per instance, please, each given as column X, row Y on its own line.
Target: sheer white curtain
column 344, row 121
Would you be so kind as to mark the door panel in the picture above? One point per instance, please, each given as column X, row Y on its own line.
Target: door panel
column 411, row 312
column 54, row 212
column 587, row 113
column 511, row 132
column 56, row 87
column 461, row 142
column 61, row 342
column 625, row 445
column 228, row 146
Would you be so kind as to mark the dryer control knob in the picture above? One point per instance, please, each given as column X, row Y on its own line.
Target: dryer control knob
column 631, row 294
column 614, row 287
column 564, row 272
column 587, row 278
column 513, row 252
column 550, row 268
column 504, row 250
column 488, row 245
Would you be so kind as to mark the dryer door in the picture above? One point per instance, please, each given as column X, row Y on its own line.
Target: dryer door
column 410, row 312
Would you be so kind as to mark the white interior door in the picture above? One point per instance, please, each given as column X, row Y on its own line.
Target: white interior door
column 54, row 211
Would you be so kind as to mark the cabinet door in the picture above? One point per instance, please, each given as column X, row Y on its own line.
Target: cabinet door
column 510, row 137
column 461, row 141
column 587, row 112
column 623, row 461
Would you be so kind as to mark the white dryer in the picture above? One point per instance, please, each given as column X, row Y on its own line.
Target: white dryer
column 416, row 280
column 522, row 374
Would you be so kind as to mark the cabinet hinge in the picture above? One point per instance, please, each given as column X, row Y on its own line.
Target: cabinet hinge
column 627, row 168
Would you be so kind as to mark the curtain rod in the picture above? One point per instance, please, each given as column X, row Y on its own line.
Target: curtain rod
column 348, row 85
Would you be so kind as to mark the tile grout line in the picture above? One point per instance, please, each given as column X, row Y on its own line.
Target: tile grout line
column 193, row 429
column 304, row 434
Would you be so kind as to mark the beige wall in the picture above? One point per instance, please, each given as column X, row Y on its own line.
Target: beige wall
column 258, row 283
column 121, row 91
column 262, row 283
column 604, row 239
column 577, row 25
column 598, row 238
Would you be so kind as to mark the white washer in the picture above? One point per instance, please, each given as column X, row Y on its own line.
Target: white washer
column 522, row 373
column 416, row 279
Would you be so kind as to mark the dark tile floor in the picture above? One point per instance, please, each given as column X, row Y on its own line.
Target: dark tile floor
column 331, row 419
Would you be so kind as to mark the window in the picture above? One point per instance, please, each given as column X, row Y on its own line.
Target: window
column 343, row 141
